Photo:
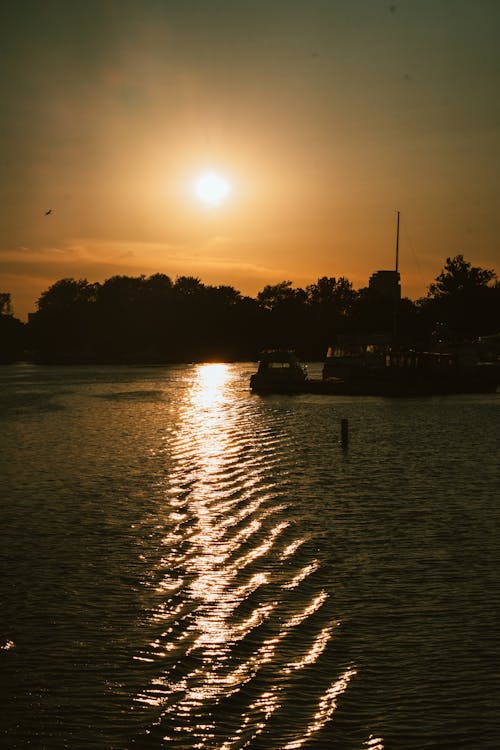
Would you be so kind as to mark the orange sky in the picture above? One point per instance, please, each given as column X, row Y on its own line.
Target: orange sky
column 325, row 115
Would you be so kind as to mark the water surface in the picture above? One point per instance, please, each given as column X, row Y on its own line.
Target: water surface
column 188, row 565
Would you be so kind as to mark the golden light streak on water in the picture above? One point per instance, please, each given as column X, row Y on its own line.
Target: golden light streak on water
column 314, row 652
column 317, row 602
column 227, row 518
column 326, row 708
column 206, row 450
column 268, row 702
column 292, row 548
column 266, row 652
column 306, row 571
column 263, row 548
column 374, row 743
column 265, row 706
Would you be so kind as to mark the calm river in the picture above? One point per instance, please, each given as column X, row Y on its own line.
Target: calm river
column 187, row 565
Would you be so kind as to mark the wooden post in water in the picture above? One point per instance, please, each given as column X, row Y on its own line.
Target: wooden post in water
column 344, row 433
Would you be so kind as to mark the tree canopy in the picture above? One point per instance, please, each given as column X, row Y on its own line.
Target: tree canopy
column 458, row 277
column 5, row 303
column 463, row 302
column 12, row 332
column 155, row 319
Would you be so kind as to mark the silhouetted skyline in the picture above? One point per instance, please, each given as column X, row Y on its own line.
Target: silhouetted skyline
column 157, row 320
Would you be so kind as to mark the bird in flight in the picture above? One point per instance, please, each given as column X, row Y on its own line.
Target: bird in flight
column 49, row 211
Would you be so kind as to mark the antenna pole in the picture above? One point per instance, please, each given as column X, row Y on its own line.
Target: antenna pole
column 396, row 294
column 397, row 245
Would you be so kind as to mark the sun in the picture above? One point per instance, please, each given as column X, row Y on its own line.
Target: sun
column 212, row 189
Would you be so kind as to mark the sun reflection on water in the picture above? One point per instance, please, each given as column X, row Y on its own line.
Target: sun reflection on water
column 208, row 388
column 234, row 579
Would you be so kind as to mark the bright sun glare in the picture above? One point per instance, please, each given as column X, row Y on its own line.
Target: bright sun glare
column 212, row 189
column 211, row 378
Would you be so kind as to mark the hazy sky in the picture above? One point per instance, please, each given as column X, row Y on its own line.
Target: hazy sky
column 325, row 116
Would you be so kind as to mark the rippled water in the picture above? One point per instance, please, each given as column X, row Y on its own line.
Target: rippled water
column 187, row 565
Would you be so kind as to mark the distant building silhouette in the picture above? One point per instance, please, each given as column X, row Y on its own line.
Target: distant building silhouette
column 386, row 284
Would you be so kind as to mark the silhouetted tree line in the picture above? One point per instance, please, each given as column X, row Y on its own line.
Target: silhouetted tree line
column 13, row 333
column 156, row 320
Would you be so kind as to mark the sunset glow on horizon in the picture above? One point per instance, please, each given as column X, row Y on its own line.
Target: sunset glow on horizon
column 244, row 146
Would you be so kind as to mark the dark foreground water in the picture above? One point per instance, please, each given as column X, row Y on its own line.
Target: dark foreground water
column 186, row 565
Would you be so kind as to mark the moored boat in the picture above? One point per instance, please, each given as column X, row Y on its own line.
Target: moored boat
column 401, row 374
column 406, row 372
column 279, row 371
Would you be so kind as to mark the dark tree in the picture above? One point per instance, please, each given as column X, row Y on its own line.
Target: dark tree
column 5, row 303
column 121, row 318
column 275, row 296
column 329, row 308
column 462, row 303
column 189, row 286
column 12, row 332
column 459, row 277
column 284, row 321
column 62, row 329
column 336, row 295
column 65, row 294
column 152, row 319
